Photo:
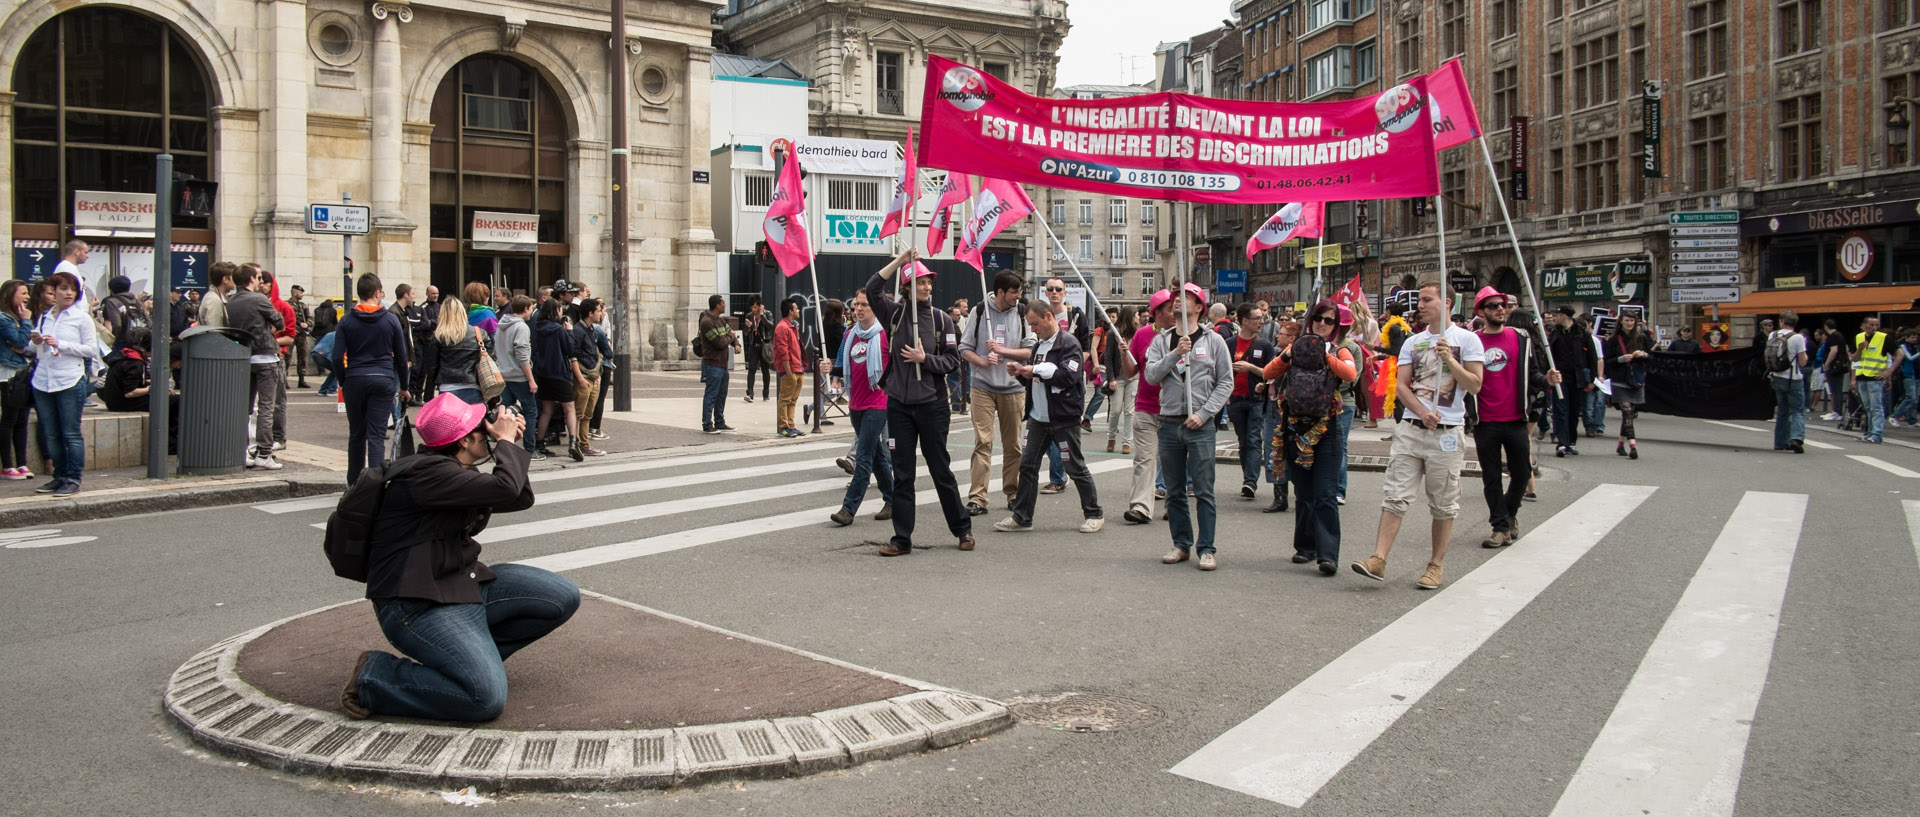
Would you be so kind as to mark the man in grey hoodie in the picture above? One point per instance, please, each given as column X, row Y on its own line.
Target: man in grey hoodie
column 1194, row 370
column 513, row 341
column 252, row 313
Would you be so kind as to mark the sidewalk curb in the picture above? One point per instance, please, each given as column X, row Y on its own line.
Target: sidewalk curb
column 33, row 511
column 219, row 710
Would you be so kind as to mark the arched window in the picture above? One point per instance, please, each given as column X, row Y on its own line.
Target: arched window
column 499, row 145
column 100, row 93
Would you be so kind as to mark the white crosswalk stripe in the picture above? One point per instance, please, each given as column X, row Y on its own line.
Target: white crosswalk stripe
column 1676, row 742
column 1884, row 466
column 1292, row 748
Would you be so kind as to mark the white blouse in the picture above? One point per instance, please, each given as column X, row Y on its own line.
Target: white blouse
column 63, row 366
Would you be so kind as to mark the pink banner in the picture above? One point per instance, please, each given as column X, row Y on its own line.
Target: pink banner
column 785, row 228
column 957, row 188
column 1349, row 294
column 1178, row 146
column 1455, row 122
column 1291, row 221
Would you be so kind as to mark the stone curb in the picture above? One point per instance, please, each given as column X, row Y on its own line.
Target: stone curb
column 220, row 711
column 39, row 510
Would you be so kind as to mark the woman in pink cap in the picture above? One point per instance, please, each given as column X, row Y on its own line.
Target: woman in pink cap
column 456, row 618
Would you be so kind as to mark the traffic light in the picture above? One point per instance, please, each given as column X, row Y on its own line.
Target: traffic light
column 193, row 198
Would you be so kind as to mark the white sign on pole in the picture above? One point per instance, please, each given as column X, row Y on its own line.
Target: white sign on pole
column 506, row 232
column 1704, row 280
column 339, row 219
column 1707, row 266
column 1708, row 255
column 1704, row 229
column 95, row 210
column 1705, row 295
column 842, row 157
column 1705, row 243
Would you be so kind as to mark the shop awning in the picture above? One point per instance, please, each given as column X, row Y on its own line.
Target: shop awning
column 1846, row 299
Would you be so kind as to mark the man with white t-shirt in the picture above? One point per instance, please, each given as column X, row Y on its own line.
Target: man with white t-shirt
column 1438, row 369
column 1789, row 395
column 72, row 255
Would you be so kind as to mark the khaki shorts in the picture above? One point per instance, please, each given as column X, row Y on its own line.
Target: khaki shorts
column 1420, row 459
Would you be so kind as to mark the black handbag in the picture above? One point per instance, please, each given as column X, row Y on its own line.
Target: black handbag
column 19, row 392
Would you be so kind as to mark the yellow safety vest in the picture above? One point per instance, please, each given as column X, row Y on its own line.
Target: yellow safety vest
column 1873, row 358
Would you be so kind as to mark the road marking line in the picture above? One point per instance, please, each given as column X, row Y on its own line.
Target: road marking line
column 1913, row 523
column 1677, row 740
column 1288, row 751
column 323, row 502
column 604, row 554
column 1884, row 466
column 1808, row 443
column 678, row 480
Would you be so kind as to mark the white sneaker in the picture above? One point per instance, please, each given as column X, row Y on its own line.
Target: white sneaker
column 250, row 459
column 1009, row 525
column 267, row 462
column 279, row 446
column 1093, row 525
column 1831, row 415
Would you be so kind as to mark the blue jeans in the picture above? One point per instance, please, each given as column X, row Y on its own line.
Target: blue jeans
column 1186, row 458
column 1056, row 473
column 1908, row 401
column 1596, row 412
column 1249, row 416
column 1566, row 416
column 60, row 429
column 369, row 400
column 1316, row 527
column 460, row 647
column 1873, row 397
column 320, row 365
column 519, row 394
column 1268, row 426
column 1095, row 399
column 472, row 396
column 1789, row 412
column 870, row 459
column 713, row 403
column 959, row 388
column 1345, row 428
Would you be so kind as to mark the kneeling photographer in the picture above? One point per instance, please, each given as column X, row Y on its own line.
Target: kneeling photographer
column 436, row 601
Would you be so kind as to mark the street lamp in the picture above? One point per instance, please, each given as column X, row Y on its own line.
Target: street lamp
column 1897, row 126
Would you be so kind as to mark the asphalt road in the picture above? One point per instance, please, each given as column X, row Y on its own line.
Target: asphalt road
column 1621, row 657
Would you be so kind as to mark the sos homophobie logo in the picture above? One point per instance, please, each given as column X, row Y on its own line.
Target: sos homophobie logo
column 965, row 88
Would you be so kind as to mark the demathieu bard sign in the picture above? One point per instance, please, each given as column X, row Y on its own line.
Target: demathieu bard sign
column 1183, row 147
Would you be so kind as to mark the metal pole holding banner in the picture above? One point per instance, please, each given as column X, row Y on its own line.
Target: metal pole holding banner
column 1526, row 276
column 1183, row 227
column 1319, row 266
column 1095, row 299
column 620, row 312
column 161, row 351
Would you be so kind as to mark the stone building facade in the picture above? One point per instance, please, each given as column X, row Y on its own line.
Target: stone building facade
column 428, row 112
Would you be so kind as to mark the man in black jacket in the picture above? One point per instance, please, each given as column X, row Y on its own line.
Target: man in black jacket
column 1572, row 348
column 436, row 601
column 924, row 348
column 1056, row 390
column 252, row 313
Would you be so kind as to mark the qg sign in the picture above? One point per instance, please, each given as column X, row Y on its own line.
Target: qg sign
column 853, row 231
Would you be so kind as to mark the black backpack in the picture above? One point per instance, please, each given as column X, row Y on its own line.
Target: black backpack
column 1311, row 385
column 1778, row 360
column 351, row 523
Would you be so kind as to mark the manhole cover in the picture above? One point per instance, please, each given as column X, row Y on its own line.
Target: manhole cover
column 1085, row 712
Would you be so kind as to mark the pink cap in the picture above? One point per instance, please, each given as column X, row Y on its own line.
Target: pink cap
column 1195, row 290
column 918, row 271
column 1485, row 293
column 1343, row 314
column 447, row 418
column 1158, row 300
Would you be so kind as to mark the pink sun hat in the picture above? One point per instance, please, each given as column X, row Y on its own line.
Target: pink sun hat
column 447, row 418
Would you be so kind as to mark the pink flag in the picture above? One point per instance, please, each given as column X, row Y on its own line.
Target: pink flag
column 1297, row 220
column 786, row 224
column 906, row 190
column 999, row 205
column 1350, row 294
column 956, row 189
column 1455, row 122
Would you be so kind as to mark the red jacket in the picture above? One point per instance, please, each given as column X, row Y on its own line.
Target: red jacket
column 286, row 315
column 786, row 349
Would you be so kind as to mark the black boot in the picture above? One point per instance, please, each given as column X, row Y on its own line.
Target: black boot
column 1279, row 499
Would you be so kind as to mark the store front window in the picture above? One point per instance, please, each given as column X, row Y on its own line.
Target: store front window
column 499, row 147
column 1816, row 259
column 102, row 92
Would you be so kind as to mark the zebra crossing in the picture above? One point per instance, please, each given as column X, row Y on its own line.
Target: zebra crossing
column 1675, row 741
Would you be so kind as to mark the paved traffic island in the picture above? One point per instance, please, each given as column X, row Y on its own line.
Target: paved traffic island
column 621, row 697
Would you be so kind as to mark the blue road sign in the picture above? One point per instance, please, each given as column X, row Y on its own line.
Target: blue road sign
column 190, row 270
column 1231, row 281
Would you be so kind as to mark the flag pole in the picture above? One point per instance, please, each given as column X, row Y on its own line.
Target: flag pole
column 1180, row 274
column 1526, row 276
column 1097, row 308
column 1319, row 265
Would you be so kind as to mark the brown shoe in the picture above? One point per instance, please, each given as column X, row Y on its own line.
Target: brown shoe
column 842, row 517
column 886, row 513
column 1126, row 448
column 966, row 541
column 1513, row 531
column 894, row 550
column 1497, row 540
column 1372, row 567
column 350, row 695
column 1109, row 446
column 1053, row 487
column 1208, row 562
column 1431, row 579
column 1174, row 557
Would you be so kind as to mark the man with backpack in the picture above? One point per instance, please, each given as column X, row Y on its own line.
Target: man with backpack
column 997, row 400
column 1504, row 407
column 922, row 349
column 1056, row 388
column 457, row 619
column 121, row 310
column 1786, row 359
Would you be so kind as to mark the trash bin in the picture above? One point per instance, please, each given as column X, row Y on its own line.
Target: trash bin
column 215, row 385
